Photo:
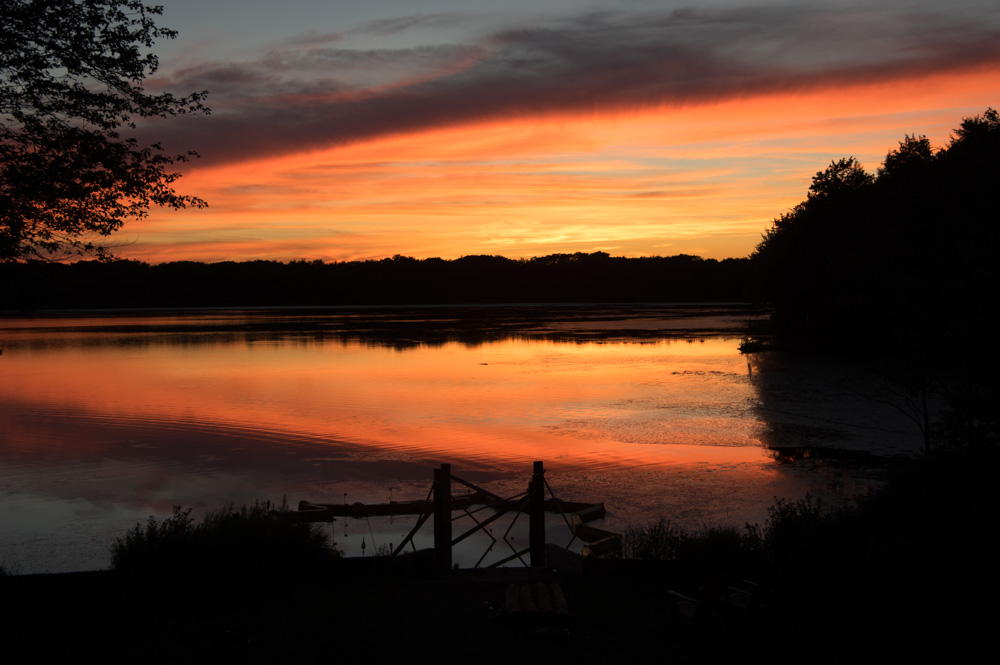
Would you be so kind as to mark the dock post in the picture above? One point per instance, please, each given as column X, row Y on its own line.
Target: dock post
column 536, row 516
column 442, row 518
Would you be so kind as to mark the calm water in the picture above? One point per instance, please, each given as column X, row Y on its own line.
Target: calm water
column 108, row 419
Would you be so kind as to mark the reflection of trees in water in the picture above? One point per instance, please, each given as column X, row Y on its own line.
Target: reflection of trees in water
column 820, row 411
column 397, row 328
column 898, row 268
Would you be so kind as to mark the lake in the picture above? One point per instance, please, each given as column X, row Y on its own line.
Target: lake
column 107, row 418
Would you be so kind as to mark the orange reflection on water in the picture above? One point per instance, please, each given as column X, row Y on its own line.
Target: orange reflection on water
column 591, row 405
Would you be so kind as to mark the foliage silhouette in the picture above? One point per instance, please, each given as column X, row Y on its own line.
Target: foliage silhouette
column 227, row 546
column 913, row 153
column 71, row 76
column 395, row 281
column 842, row 176
column 898, row 267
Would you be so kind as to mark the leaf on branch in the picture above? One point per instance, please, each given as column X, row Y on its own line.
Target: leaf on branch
column 71, row 74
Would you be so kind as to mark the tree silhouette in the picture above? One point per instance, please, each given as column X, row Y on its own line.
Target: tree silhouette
column 912, row 155
column 899, row 269
column 980, row 134
column 841, row 176
column 71, row 75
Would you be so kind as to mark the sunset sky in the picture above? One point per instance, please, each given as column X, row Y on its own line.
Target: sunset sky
column 355, row 130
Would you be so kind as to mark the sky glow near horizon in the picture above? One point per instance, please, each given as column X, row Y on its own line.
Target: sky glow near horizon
column 345, row 131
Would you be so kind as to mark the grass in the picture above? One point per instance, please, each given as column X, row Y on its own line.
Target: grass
column 228, row 545
column 708, row 554
column 656, row 540
column 661, row 541
column 907, row 559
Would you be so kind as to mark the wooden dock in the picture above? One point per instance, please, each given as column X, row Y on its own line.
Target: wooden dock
column 442, row 504
column 312, row 511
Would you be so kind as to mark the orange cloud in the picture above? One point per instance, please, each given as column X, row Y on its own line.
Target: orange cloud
column 704, row 179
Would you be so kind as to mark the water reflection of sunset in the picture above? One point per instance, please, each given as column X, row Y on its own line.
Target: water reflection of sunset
column 590, row 403
column 107, row 420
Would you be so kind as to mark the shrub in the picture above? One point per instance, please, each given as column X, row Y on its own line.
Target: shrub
column 652, row 541
column 229, row 544
column 789, row 527
column 714, row 550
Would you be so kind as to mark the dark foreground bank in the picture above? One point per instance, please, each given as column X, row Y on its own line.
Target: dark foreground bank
column 907, row 574
column 626, row 610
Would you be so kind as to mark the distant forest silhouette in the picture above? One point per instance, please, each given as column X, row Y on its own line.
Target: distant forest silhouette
column 400, row 280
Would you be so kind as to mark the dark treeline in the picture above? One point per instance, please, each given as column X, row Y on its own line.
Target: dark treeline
column 399, row 280
column 899, row 266
column 908, row 253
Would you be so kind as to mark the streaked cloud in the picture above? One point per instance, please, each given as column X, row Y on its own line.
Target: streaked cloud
column 403, row 23
column 318, row 93
column 635, row 133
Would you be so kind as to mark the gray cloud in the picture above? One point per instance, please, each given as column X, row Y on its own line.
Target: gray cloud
column 399, row 24
column 315, row 39
column 303, row 98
